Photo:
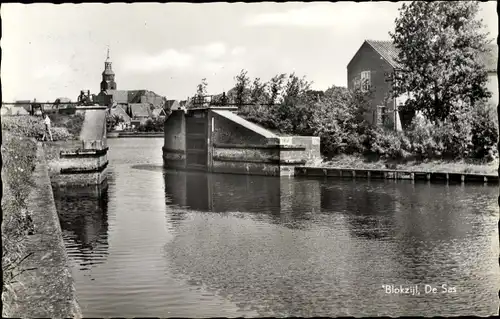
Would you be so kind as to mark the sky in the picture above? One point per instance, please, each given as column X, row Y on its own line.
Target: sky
column 51, row 51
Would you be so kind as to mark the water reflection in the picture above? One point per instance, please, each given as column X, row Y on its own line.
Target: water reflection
column 367, row 207
column 282, row 201
column 248, row 245
column 83, row 217
column 327, row 246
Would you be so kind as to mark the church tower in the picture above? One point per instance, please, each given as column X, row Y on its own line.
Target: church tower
column 108, row 76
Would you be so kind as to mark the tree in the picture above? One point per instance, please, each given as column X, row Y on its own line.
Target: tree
column 113, row 121
column 275, row 89
column 258, row 92
column 314, row 96
column 295, row 110
column 295, row 89
column 201, row 91
column 438, row 44
column 242, row 94
column 337, row 118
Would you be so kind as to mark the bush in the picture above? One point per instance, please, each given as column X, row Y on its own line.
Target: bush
column 338, row 120
column 73, row 123
column 28, row 126
column 329, row 124
column 455, row 134
column 60, row 134
column 33, row 126
column 484, row 133
column 336, row 117
column 387, row 145
column 152, row 125
column 422, row 136
column 112, row 120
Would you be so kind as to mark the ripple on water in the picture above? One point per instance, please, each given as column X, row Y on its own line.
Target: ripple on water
column 277, row 271
column 165, row 243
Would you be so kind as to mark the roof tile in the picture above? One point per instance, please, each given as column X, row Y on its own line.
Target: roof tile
column 390, row 53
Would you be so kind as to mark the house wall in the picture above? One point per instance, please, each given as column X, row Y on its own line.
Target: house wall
column 492, row 86
column 367, row 59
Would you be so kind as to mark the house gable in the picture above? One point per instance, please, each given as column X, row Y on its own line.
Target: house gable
column 370, row 64
column 158, row 113
column 138, row 110
column 119, row 111
column 368, row 59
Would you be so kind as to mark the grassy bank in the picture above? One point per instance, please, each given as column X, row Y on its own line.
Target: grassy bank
column 19, row 157
column 462, row 166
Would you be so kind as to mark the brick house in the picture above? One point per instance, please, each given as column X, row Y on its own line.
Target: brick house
column 375, row 62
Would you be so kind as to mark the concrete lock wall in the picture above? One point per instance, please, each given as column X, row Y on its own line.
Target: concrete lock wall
column 242, row 147
column 82, row 162
column 174, row 146
column 234, row 145
column 297, row 151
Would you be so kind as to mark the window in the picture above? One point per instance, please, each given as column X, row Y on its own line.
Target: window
column 365, row 80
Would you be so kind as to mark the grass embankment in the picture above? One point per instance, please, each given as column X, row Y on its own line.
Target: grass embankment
column 19, row 146
column 463, row 166
column 18, row 155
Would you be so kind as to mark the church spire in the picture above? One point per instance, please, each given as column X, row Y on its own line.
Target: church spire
column 108, row 76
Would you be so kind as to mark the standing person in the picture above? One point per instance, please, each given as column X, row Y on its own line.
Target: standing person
column 46, row 120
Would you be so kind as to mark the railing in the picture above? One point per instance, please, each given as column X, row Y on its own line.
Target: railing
column 32, row 108
column 214, row 100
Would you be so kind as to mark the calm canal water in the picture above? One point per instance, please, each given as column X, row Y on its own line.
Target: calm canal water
column 162, row 243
